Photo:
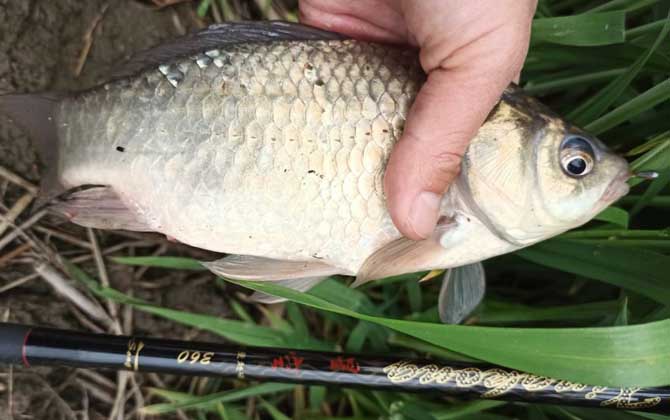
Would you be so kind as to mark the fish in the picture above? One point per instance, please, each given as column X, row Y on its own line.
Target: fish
column 268, row 141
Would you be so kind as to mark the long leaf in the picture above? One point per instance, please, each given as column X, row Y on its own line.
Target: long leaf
column 207, row 401
column 639, row 270
column 175, row 263
column 656, row 159
column 594, row 107
column 615, row 216
column 626, row 5
column 581, row 30
column 601, row 356
column 237, row 331
column 647, row 100
column 495, row 312
column 460, row 411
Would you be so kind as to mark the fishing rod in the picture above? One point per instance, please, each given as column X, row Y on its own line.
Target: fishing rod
column 33, row 346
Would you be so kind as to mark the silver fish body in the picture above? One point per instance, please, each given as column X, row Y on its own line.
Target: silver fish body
column 277, row 150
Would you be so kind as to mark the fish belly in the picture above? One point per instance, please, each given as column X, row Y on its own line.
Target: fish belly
column 274, row 149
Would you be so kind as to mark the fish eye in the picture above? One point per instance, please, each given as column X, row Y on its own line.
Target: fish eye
column 577, row 156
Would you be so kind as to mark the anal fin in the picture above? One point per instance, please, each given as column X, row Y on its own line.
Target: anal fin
column 100, row 208
column 296, row 275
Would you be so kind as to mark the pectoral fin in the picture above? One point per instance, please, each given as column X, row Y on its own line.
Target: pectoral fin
column 462, row 291
column 406, row 256
column 247, row 267
column 300, row 284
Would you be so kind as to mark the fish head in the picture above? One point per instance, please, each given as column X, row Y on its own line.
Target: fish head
column 578, row 177
column 531, row 175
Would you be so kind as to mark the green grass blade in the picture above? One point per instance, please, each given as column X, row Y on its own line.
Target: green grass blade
column 237, row 331
column 543, row 9
column 650, row 144
column 208, row 402
column 172, row 396
column 658, row 201
column 203, row 8
column 297, row 319
column 600, row 356
column 656, row 159
column 626, row 5
column 650, row 239
column 240, row 311
column 230, row 412
column 497, row 312
column 647, row 100
column 623, row 315
column 615, row 216
column 420, row 346
column 357, row 337
column 273, row 411
column 594, row 107
column 561, row 83
column 414, row 296
column 411, row 411
column 635, row 269
column 581, row 30
column 551, row 58
column 651, row 416
column 344, row 296
column 361, row 400
column 645, row 29
column 175, row 263
column 466, row 410
column 317, row 395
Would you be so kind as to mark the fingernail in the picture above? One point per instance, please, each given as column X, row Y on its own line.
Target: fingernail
column 424, row 212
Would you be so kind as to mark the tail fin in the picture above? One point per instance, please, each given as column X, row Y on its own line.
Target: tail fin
column 35, row 113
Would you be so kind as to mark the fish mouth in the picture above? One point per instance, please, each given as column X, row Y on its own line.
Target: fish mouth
column 617, row 188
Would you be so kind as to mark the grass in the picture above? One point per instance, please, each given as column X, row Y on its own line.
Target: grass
column 590, row 306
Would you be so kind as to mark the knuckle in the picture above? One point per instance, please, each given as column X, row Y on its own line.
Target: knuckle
column 447, row 160
column 444, row 166
column 306, row 13
column 312, row 12
column 441, row 160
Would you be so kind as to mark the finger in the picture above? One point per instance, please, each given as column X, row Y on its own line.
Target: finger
column 370, row 20
column 448, row 111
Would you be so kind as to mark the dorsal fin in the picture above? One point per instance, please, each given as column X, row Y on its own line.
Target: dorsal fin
column 219, row 35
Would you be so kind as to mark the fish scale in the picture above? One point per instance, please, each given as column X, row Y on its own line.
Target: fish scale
column 279, row 153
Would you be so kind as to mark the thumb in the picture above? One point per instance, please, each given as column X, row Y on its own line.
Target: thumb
column 447, row 112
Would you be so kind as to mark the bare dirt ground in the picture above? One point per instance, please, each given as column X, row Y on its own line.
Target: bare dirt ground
column 66, row 45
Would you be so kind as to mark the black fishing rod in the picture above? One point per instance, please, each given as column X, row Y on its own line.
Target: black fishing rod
column 32, row 346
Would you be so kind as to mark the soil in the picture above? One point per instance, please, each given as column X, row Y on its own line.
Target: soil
column 40, row 46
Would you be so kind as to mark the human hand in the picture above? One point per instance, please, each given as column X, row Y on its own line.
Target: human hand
column 471, row 50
